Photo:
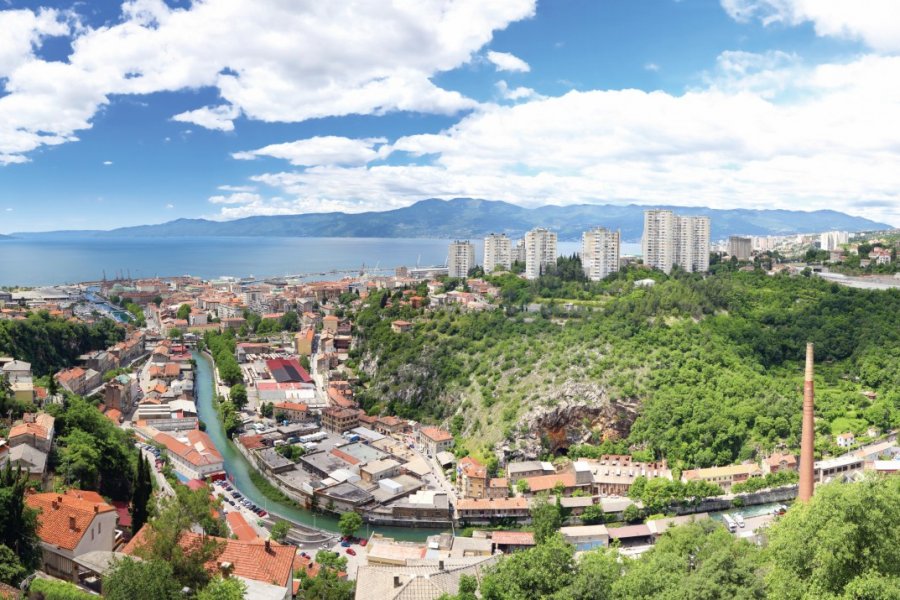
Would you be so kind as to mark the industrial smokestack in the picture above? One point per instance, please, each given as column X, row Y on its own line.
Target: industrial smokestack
column 808, row 435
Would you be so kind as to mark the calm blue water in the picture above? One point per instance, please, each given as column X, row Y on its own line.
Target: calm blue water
column 43, row 261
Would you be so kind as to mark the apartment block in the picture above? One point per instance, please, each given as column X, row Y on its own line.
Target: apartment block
column 498, row 252
column 740, row 247
column 460, row 258
column 540, row 251
column 670, row 239
column 600, row 249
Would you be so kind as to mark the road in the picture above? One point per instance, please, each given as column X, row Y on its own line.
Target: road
column 161, row 483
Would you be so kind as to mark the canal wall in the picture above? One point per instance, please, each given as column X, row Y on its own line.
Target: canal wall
column 720, row 503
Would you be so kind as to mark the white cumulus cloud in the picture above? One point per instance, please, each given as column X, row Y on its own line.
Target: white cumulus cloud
column 504, row 61
column 323, row 150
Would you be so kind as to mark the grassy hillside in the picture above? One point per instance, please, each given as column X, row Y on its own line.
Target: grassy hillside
column 701, row 371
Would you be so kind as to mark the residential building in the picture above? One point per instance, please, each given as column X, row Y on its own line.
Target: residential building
column 614, row 474
column 498, row 252
column 292, row 411
column 481, row 510
column 833, row 240
column 376, row 470
column 330, row 323
column 472, row 478
column 540, row 251
column 29, row 459
column 435, row 440
column 524, row 469
column 778, row 462
column 339, row 420
column 418, row 579
column 600, row 248
column 519, row 253
column 586, row 537
column 194, row 455
column 724, row 477
column 303, row 341
column 400, row 326
column 78, row 381
column 460, row 258
column 845, row 440
column 70, row 525
column 740, row 247
column 35, row 430
column 670, row 240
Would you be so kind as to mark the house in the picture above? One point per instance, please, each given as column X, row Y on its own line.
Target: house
column 292, row 411
column 70, row 525
column 399, row 326
column 778, row 462
column 78, row 381
column 524, row 469
column 471, row 478
column 614, row 474
column 512, row 541
column 435, row 440
column 265, row 567
column 35, row 430
column 194, row 456
column 303, row 341
column 389, row 424
column 845, row 440
column 376, row 470
column 586, row 537
column 339, row 420
column 724, row 477
column 881, row 256
column 330, row 324
column 418, row 580
column 486, row 510
column 30, row 459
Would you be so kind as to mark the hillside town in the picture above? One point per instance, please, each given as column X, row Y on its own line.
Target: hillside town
column 293, row 376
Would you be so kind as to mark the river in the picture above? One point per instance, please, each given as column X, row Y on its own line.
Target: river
column 238, row 468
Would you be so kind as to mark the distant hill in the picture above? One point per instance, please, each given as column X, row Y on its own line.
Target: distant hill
column 472, row 218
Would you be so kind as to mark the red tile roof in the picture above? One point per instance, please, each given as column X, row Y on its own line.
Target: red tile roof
column 199, row 450
column 292, row 406
column 250, row 559
column 436, row 434
column 54, row 523
column 513, row 538
column 541, row 483
column 251, row 442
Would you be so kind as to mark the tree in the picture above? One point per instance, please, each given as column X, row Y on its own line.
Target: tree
column 280, row 531
column 79, row 460
column 18, row 523
column 238, row 396
column 266, row 409
column 55, row 589
column 632, row 514
column 175, row 333
column 593, row 514
column 325, row 586
column 147, row 579
column 546, row 519
column 143, row 490
column 597, row 571
column 157, row 300
column 535, row 573
column 223, row 589
column 522, row 486
column 184, row 311
column 349, row 523
column 696, row 560
column 839, row 541
column 12, row 571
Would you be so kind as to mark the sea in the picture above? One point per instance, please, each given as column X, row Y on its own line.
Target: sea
column 41, row 261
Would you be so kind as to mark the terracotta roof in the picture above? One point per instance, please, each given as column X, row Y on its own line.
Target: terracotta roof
column 436, row 434
column 240, row 527
column 199, row 450
column 250, row 559
column 542, row 483
column 28, row 429
column 251, row 442
column 292, row 406
column 114, row 415
column 70, row 374
column 54, row 523
column 490, row 504
column 513, row 538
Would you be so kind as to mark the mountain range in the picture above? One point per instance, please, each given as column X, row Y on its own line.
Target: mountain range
column 473, row 218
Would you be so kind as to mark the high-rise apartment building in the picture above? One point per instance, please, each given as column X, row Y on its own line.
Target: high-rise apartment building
column 518, row 253
column 670, row 239
column 600, row 250
column 497, row 252
column 740, row 247
column 832, row 240
column 540, row 251
column 460, row 258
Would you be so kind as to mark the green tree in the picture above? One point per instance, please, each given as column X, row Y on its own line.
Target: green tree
column 632, row 514
column 546, row 519
column 143, row 491
column 325, row 586
column 55, row 589
column 18, row 523
column 842, row 539
column 267, row 409
column 12, row 571
column 349, row 523
column 280, row 531
column 148, row 579
column 184, row 311
column 238, row 396
column 223, row 589
column 79, row 463
column 697, row 560
column 597, row 571
column 536, row 573
column 331, row 560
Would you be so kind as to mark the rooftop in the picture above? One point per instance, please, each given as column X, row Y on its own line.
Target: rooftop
column 57, row 512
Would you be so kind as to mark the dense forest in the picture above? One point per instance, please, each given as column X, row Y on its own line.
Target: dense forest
column 51, row 344
column 714, row 363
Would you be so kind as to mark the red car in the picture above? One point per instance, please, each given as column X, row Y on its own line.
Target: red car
column 363, row 542
column 351, row 551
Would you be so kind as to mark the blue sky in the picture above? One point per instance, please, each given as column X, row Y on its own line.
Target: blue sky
column 117, row 113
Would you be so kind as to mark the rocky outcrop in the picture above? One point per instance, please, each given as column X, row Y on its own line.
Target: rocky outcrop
column 574, row 413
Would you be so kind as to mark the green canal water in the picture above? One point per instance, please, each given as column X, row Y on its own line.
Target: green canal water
column 238, row 468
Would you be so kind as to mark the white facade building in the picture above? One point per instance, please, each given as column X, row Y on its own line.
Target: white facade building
column 670, row 240
column 600, row 249
column 497, row 252
column 832, row 240
column 740, row 247
column 460, row 259
column 540, row 251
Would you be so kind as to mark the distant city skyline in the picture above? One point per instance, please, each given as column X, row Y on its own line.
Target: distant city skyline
column 270, row 108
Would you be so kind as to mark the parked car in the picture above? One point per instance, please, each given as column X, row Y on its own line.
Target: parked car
column 363, row 542
column 351, row 551
column 345, row 544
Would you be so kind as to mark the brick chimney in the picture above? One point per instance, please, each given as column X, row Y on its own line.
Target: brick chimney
column 268, row 545
column 396, row 581
column 225, row 568
column 72, row 522
column 808, row 434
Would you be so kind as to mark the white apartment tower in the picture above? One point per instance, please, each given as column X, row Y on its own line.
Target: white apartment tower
column 518, row 254
column 497, row 252
column 460, row 259
column 740, row 247
column 670, row 240
column 540, row 251
column 600, row 249
column 832, row 240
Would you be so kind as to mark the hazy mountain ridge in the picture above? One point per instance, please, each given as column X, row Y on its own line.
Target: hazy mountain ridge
column 473, row 218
